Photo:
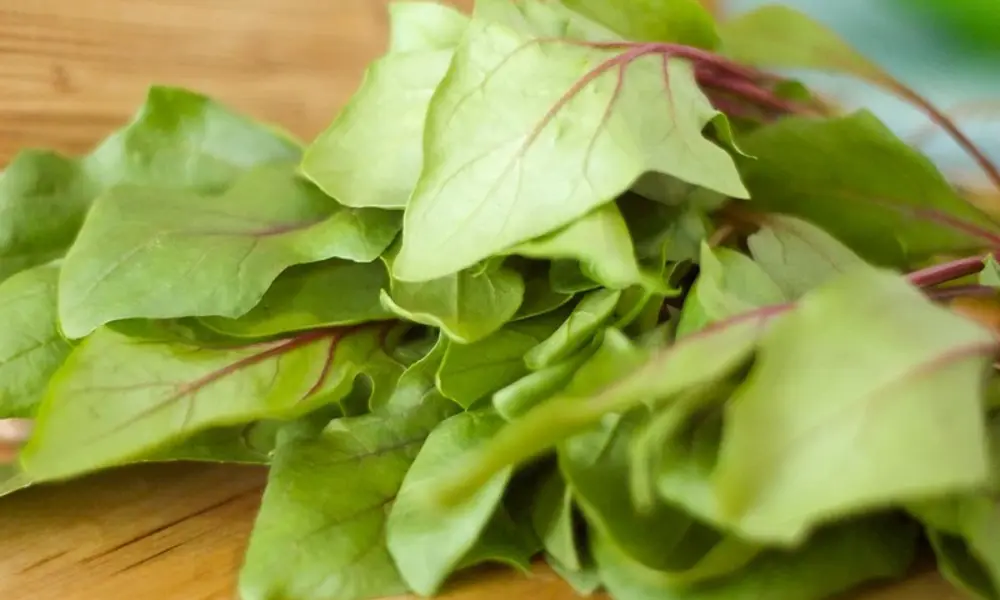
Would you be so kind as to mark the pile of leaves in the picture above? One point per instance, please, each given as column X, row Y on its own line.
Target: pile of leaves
column 575, row 279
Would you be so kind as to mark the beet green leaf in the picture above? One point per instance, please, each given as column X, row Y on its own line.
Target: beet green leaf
column 320, row 533
column 31, row 347
column 188, row 254
column 561, row 149
column 679, row 21
column 117, row 398
column 426, row 542
column 177, row 140
column 863, row 185
column 866, row 395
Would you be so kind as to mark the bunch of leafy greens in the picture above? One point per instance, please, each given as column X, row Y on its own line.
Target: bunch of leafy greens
column 572, row 279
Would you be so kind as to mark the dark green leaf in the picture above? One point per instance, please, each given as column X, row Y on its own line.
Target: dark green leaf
column 854, row 178
column 833, row 562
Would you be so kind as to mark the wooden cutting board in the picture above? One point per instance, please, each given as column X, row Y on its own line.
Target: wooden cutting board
column 177, row 532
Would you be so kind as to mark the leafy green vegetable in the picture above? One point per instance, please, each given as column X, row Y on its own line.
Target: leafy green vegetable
column 467, row 306
column 116, row 397
column 898, row 415
column 177, row 140
column 480, row 185
column 833, row 562
column 683, row 21
column 386, row 116
column 901, row 209
column 561, row 279
column 189, row 254
column 425, row 543
column 325, row 294
column 31, row 348
column 321, row 529
column 799, row 256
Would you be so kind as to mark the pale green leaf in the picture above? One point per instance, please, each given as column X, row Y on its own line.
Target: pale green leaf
column 685, row 22
column 833, row 562
column 990, row 275
column 799, row 256
column 320, row 533
column 31, row 347
column 730, row 283
column 325, row 294
column 585, row 581
column 866, row 379
column 471, row 372
column 586, row 320
column 543, row 19
column 153, row 253
column 117, row 398
column 12, row 479
column 426, row 542
column 519, row 397
column 467, row 306
column 417, row 26
column 600, row 241
column 855, row 179
column 177, row 140
column 564, row 149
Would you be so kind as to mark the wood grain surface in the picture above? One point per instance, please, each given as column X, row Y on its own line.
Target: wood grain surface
column 70, row 72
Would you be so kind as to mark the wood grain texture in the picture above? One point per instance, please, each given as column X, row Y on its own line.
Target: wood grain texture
column 70, row 72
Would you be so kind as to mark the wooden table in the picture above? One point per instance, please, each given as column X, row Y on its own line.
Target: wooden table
column 70, row 72
column 177, row 532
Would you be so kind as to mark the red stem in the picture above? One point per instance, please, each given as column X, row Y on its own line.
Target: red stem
column 946, row 272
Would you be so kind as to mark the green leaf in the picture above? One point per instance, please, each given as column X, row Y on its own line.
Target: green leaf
column 798, row 256
column 177, row 140
column 188, row 254
column 372, row 153
column 31, row 347
column 567, row 277
column 565, row 149
column 990, row 275
column 960, row 567
column 834, row 561
column 427, row 543
column 539, row 296
column 471, row 372
column 320, row 533
column 685, row 22
column 855, row 179
column 467, row 306
column 867, row 379
column 117, row 398
column 776, row 36
column 587, row 319
column 417, row 26
column 502, row 542
column 12, row 479
column 44, row 197
column 600, row 241
column 543, row 19
column 325, row 294
column 585, row 582
column 516, row 399
column 730, row 283
column 618, row 377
